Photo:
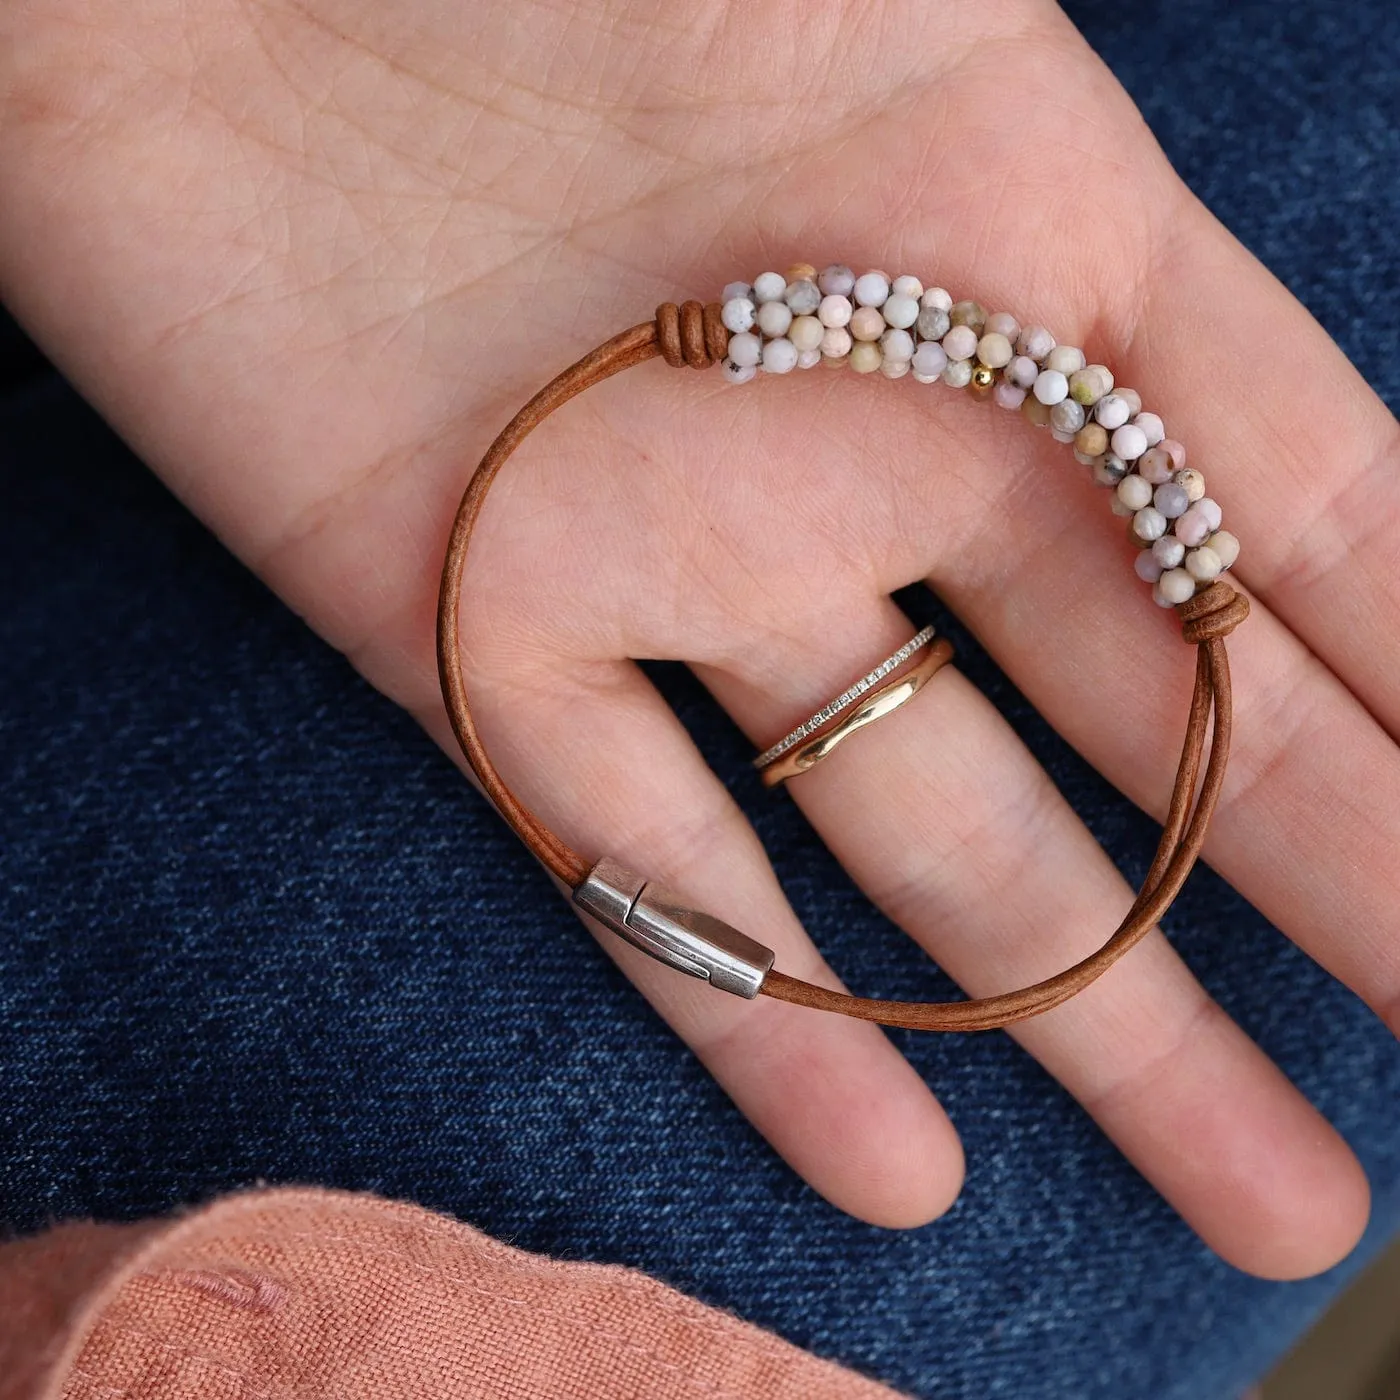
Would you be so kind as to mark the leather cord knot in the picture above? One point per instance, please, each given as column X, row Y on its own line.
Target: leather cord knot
column 691, row 334
column 1213, row 612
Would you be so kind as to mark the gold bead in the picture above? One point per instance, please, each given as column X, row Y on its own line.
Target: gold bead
column 982, row 381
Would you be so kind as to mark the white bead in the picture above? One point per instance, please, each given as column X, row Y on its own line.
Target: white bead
column 738, row 314
column 1203, row 564
column 938, row 297
column 894, row 369
column 1168, row 551
column 1209, row 511
column 780, row 355
column 1112, row 411
column 930, row 360
column 769, row 286
column 737, row 374
column 1050, row 386
column 958, row 374
column 836, row 342
column 835, row 311
column 1226, row 547
column 1129, row 442
column 1067, row 417
column 1176, row 586
column 774, row 318
column 745, row 348
column 736, row 289
column 1134, row 492
column 907, row 286
column 806, row 333
column 900, row 311
column 1157, row 595
column 1068, row 359
column 897, row 344
column 1149, row 524
column 871, row 289
column 1146, row 567
column 808, row 359
column 1152, row 426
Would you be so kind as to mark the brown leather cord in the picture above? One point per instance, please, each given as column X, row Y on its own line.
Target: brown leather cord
column 694, row 334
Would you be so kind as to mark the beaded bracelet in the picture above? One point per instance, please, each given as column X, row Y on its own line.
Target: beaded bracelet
column 778, row 324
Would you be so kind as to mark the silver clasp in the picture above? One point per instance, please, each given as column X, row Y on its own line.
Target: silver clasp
column 653, row 919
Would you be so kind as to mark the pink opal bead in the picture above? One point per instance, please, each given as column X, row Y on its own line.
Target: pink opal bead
column 930, row 359
column 1003, row 323
column 1022, row 371
column 1155, row 465
column 872, row 288
column 867, row 323
column 1152, row 427
column 1168, row 551
column 837, row 280
column 835, row 311
column 1193, row 527
column 960, row 343
column 1008, row 395
column 1129, row 442
column 836, row 342
column 1035, row 341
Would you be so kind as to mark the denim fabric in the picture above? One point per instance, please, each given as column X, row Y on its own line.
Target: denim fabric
column 253, row 926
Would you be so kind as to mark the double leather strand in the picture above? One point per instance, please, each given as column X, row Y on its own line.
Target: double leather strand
column 693, row 334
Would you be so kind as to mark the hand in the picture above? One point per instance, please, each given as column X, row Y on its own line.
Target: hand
column 310, row 255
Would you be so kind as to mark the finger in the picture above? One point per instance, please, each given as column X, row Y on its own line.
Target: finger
column 599, row 755
column 1307, row 457
column 948, row 823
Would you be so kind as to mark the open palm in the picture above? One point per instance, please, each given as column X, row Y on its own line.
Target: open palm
column 309, row 255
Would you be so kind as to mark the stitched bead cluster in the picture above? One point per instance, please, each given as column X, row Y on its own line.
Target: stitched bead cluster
column 778, row 323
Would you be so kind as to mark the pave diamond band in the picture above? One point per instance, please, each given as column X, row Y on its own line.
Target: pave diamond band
column 832, row 708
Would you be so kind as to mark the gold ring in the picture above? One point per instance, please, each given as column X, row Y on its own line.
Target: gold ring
column 877, row 705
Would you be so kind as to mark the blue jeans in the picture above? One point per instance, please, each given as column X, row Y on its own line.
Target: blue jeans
column 254, row 926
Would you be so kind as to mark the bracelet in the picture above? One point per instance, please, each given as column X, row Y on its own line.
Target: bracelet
column 780, row 323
